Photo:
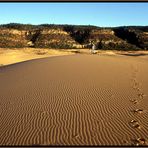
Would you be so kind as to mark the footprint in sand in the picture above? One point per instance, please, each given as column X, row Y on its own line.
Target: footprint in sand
column 134, row 124
column 136, row 85
column 140, row 141
column 139, row 111
column 141, row 95
column 136, row 88
column 134, row 101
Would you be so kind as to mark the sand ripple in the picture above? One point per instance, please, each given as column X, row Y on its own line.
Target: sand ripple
column 73, row 100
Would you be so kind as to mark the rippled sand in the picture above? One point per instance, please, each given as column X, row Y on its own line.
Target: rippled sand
column 75, row 100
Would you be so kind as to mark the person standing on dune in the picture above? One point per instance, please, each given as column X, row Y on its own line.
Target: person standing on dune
column 90, row 46
column 93, row 48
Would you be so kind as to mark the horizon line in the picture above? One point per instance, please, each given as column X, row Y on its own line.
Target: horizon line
column 74, row 25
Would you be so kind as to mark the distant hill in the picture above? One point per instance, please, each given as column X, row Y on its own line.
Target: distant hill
column 15, row 35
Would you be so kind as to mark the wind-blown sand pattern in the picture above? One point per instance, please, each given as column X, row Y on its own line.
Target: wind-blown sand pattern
column 75, row 100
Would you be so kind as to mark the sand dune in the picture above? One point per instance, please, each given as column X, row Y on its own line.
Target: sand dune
column 15, row 55
column 75, row 100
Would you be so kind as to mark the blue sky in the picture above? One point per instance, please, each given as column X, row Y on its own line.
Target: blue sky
column 98, row 14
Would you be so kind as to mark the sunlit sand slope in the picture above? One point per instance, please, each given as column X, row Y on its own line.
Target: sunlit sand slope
column 75, row 100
